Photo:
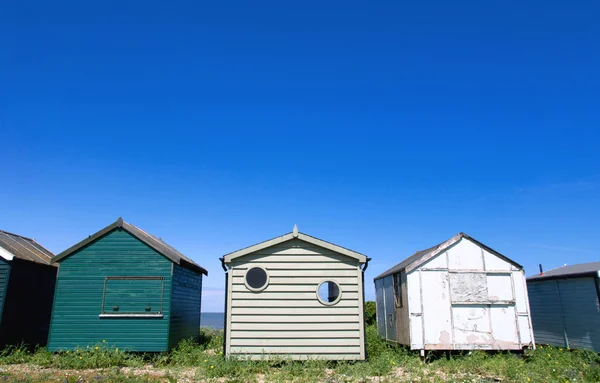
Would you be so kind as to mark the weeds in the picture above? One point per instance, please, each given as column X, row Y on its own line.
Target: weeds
column 204, row 360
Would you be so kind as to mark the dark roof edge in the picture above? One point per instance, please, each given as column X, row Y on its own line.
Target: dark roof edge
column 120, row 224
column 460, row 236
column 544, row 278
column 88, row 240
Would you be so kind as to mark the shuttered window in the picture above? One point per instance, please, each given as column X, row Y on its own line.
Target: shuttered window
column 135, row 296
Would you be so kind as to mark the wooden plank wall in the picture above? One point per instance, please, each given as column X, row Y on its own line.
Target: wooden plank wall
column 286, row 318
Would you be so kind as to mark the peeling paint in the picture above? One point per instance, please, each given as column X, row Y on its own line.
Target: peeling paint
column 444, row 337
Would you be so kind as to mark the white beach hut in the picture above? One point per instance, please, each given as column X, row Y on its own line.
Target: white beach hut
column 296, row 297
column 458, row 295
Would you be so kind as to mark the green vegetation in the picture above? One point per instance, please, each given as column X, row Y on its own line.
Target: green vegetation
column 203, row 361
column 370, row 313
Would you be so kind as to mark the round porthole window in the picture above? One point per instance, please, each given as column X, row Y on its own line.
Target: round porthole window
column 329, row 292
column 256, row 278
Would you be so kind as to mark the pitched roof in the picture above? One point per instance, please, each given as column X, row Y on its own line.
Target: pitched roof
column 572, row 271
column 155, row 243
column 423, row 256
column 295, row 235
column 20, row 247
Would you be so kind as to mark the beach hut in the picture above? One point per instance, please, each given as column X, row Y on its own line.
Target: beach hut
column 458, row 295
column 565, row 306
column 295, row 297
column 127, row 289
column 27, row 281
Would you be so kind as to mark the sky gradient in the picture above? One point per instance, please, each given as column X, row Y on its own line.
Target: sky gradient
column 384, row 127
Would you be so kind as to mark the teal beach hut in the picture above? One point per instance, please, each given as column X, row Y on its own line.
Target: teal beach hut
column 27, row 281
column 127, row 289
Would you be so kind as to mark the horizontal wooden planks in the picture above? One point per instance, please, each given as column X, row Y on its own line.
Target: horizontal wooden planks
column 302, row 280
column 290, row 303
column 307, row 356
column 290, row 265
column 79, row 294
column 286, row 318
column 283, row 288
column 315, row 319
column 297, row 334
column 283, row 310
column 307, row 327
column 294, row 342
column 266, row 295
column 286, row 273
column 308, row 350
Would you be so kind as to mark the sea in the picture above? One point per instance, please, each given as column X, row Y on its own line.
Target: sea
column 212, row 320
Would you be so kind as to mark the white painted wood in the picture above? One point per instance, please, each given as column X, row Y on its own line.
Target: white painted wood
column 416, row 332
column 361, row 311
column 314, row 319
column 524, row 329
column 499, row 287
column 300, row 236
column 287, row 314
column 284, row 310
column 436, row 308
column 504, row 328
column 280, row 288
column 520, row 292
column 493, row 262
column 440, row 249
column 471, row 325
column 286, row 296
column 296, row 350
column 306, row 258
column 465, row 255
column 489, row 309
column 293, row 280
column 333, row 265
column 6, row 254
column 228, row 319
column 308, row 328
column 288, row 303
column 287, row 334
column 319, row 273
column 414, row 292
column 437, row 262
column 289, row 356
column 300, row 341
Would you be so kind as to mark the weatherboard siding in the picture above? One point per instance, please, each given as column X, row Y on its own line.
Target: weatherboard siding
column 185, row 305
column 566, row 312
column 4, row 276
column 79, row 291
column 286, row 318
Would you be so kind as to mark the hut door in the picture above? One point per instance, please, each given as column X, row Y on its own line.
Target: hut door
column 390, row 308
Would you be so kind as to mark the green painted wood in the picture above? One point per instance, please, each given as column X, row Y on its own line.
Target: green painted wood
column 4, row 276
column 79, row 294
column 185, row 305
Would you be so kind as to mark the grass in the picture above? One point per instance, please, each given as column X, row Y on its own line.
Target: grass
column 203, row 361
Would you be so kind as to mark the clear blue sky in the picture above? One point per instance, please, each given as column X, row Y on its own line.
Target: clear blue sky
column 382, row 127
